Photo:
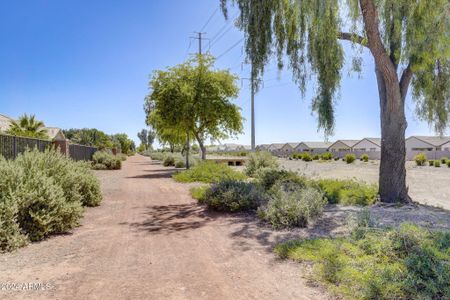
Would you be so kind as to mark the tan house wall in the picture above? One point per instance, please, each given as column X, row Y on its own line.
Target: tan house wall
column 414, row 144
column 339, row 146
column 366, row 145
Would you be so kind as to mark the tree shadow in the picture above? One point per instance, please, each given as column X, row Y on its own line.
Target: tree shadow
column 167, row 219
column 155, row 174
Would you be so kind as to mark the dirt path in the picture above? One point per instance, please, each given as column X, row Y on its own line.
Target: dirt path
column 150, row 240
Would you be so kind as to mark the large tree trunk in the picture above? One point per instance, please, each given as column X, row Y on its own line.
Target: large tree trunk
column 201, row 145
column 392, row 176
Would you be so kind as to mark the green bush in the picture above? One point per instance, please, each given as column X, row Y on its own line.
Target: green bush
column 448, row 163
column 259, row 160
column 180, row 164
column 420, row 159
column 327, row 156
column 348, row 192
column 306, row 157
column 199, row 192
column 109, row 160
column 444, row 160
column 208, row 172
column 365, row 158
column 43, row 193
column 349, row 158
column 316, row 157
column 267, row 178
column 232, row 196
column 169, row 161
column 437, row 163
column 157, row 156
column 336, row 158
column 404, row 263
column 292, row 207
column 431, row 163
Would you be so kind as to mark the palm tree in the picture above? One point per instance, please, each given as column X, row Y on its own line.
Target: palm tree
column 28, row 126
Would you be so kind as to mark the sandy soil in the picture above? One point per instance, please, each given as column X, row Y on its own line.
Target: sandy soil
column 427, row 185
column 150, row 240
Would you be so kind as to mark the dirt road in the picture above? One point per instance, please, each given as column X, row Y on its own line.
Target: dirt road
column 150, row 240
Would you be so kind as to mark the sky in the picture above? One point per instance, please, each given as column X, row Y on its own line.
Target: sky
column 86, row 64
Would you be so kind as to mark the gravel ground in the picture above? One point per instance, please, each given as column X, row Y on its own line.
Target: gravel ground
column 427, row 185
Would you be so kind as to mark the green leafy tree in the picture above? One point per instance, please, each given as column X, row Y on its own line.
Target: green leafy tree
column 143, row 136
column 194, row 99
column 28, row 126
column 409, row 41
column 127, row 146
column 89, row 137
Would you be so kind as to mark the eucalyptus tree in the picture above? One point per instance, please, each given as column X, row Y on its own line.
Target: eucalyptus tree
column 408, row 40
column 193, row 99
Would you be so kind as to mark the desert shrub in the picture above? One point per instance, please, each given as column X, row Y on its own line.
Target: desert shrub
column 157, row 156
column 233, row 195
column 420, row 159
column 349, row 158
column 365, row 158
column 259, row 160
column 42, row 193
column 199, row 192
column 444, row 160
column 316, row 157
column 431, row 163
column 180, row 164
column 348, row 192
column 327, row 156
column 448, row 163
column 208, row 172
column 292, row 207
column 267, row 178
column 123, row 157
column 169, row 161
column 404, row 263
column 109, row 160
column 336, row 158
column 437, row 163
column 306, row 157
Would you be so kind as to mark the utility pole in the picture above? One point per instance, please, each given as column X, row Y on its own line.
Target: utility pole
column 253, row 84
column 188, row 142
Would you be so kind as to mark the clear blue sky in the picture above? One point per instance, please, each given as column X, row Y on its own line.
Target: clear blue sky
column 80, row 63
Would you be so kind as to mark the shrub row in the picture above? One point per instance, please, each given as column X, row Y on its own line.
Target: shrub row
column 42, row 193
column 104, row 160
column 405, row 263
column 421, row 160
column 306, row 156
column 209, row 172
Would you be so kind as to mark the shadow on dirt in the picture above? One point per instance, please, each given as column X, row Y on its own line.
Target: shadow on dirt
column 155, row 174
column 172, row 218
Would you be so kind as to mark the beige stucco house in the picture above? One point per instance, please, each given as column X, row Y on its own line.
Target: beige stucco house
column 427, row 143
column 262, row 147
column 342, row 145
column 275, row 148
column 315, row 147
column 368, row 145
column 288, row 148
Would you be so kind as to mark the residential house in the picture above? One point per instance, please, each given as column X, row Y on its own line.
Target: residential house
column 262, row 147
column 288, row 149
column 368, row 145
column 313, row 147
column 427, row 143
column 342, row 146
column 275, row 148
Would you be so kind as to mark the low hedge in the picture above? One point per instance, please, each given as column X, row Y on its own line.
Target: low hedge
column 208, row 172
column 104, row 160
column 42, row 193
column 348, row 192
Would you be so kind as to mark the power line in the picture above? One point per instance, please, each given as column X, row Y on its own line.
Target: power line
column 213, row 42
column 209, row 19
column 223, row 28
column 229, row 49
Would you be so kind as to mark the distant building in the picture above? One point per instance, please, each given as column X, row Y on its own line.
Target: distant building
column 342, row 145
column 368, row 145
column 314, row 147
column 428, row 143
column 263, row 147
column 275, row 148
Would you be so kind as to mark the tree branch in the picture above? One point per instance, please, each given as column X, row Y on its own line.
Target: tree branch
column 405, row 81
column 352, row 37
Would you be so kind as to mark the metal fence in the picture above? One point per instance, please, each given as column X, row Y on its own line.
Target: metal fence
column 81, row 152
column 11, row 146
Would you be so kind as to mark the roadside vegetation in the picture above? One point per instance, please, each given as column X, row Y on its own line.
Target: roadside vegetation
column 105, row 160
column 372, row 263
column 209, row 172
column 43, row 193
